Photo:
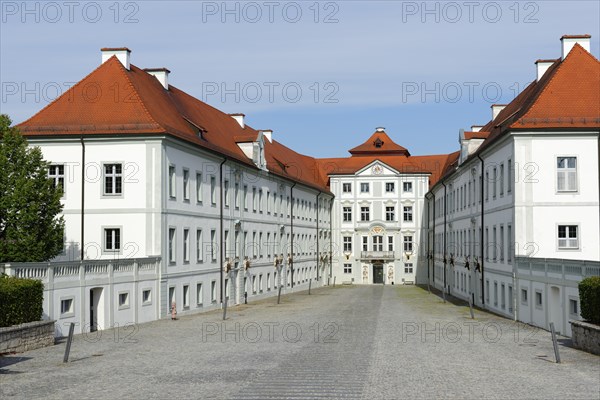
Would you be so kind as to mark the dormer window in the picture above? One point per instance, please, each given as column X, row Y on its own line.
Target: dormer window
column 378, row 143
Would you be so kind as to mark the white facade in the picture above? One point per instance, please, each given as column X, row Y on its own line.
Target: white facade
column 377, row 225
column 535, row 209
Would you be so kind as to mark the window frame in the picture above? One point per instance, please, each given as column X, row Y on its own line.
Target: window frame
column 116, row 176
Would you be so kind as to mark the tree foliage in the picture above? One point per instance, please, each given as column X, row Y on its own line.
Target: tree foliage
column 30, row 226
column 589, row 294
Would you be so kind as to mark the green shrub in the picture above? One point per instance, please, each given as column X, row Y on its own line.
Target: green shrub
column 589, row 294
column 20, row 300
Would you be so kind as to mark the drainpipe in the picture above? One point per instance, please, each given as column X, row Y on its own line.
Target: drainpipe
column 433, row 241
column 445, row 247
column 82, row 199
column 318, row 234
column 221, row 258
column 428, row 241
column 330, row 242
column 482, row 233
column 292, row 232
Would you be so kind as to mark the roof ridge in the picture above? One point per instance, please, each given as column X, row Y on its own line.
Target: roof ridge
column 135, row 91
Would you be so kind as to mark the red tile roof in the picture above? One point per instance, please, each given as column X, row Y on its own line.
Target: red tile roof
column 476, row 135
column 379, row 143
column 115, row 101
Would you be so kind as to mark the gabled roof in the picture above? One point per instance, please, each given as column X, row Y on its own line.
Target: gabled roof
column 381, row 144
column 115, row 101
column 566, row 97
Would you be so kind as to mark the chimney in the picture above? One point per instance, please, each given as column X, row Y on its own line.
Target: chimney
column 496, row 109
column 268, row 133
column 239, row 118
column 542, row 66
column 476, row 128
column 162, row 74
column 122, row 54
column 380, row 129
column 568, row 41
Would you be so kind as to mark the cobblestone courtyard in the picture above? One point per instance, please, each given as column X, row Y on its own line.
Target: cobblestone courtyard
column 345, row 342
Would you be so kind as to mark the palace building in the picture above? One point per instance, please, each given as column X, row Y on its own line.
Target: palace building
column 171, row 202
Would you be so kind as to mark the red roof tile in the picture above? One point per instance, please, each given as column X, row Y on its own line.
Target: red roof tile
column 115, row 101
column 379, row 143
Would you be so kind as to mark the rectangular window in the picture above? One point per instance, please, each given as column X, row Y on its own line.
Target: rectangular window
column 66, row 306
column 573, row 307
column 213, row 291
column 364, row 187
column 186, row 296
column 56, row 173
column 186, row 245
column 172, row 182
column 365, row 241
column 390, row 243
column 407, row 187
column 213, row 190
column 260, row 201
column 112, row 239
column 199, row 294
column 347, row 214
column 509, row 178
column 567, row 237
column 501, row 179
column 346, row 187
column 538, row 299
column 146, row 297
column 510, row 244
column 171, row 245
column 226, row 193
column 347, row 243
column 502, row 296
column 408, row 268
column 390, row 214
column 408, row 214
column 245, row 199
column 186, row 184
column 390, row 187
column 347, row 268
column 524, row 297
column 198, row 187
column 213, row 245
column 364, row 214
column 377, row 243
column 495, row 294
column 566, row 174
column 495, row 177
column 501, row 249
column 124, row 300
column 236, row 196
column 254, row 200
column 408, row 243
column 268, row 202
column 494, row 245
column 199, row 245
column 487, row 185
column 113, row 179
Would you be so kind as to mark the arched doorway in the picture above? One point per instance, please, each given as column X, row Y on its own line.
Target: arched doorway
column 96, row 309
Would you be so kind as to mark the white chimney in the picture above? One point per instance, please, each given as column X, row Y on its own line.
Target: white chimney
column 380, row 129
column 476, row 128
column 162, row 74
column 568, row 41
column 542, row 66
column 239, row 118
column 496, row 109
column 268, row 133
column 122, row 54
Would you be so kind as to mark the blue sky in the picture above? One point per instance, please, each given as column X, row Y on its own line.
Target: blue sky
column 322, row 75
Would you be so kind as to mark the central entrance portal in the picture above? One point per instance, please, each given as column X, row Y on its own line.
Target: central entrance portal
column 377, row 273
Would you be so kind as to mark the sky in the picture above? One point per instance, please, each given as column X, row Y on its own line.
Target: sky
column 321, row 74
